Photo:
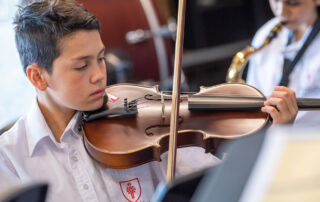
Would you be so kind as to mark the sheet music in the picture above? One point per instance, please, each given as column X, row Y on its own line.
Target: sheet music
column 288, row 167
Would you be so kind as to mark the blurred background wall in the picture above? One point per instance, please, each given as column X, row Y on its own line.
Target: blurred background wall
column 215, row 31
column 16, row 94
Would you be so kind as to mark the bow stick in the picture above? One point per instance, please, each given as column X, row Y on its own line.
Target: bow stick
column 176, row 92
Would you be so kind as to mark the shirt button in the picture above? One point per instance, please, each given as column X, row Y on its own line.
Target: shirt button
column 85, row 187
column 74, row 158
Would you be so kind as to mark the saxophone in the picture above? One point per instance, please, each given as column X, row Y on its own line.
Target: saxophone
column 241, row 58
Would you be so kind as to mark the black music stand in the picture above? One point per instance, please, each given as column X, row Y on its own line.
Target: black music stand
column 227, row 182
column 181, row 189
column 30, row 193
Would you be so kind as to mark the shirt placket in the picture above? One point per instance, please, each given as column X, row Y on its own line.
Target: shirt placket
column 81, row 176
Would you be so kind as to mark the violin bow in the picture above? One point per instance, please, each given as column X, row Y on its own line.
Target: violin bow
column 172, row 151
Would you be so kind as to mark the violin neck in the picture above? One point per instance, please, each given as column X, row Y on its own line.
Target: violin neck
column 308, row 103
column 227, row 103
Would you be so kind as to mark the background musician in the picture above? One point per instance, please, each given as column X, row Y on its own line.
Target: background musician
column 274, row 65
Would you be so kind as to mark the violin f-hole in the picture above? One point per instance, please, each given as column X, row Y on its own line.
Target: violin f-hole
column 149, row 133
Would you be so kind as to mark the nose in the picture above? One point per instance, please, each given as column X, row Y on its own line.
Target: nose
column 99, row 72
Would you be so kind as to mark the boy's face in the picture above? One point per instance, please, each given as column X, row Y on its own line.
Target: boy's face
column 295, row 13
column 78, row 77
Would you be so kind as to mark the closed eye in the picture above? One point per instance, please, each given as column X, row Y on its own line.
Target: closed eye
column 102, row 59
column 81, row 68
column 293, row 3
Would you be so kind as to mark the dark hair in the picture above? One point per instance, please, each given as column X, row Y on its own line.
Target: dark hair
column 40, row 25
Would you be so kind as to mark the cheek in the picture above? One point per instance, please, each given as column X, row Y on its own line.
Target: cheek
column 75, row 97
column 78, row 88
column 74, row 89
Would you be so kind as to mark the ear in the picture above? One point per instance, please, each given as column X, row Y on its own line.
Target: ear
column 36, row 77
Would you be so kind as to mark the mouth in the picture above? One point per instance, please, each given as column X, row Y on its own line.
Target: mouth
column 289, row 24
column 98, row 94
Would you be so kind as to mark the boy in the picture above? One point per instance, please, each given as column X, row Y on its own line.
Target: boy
column 63, row 57
column 266, row 67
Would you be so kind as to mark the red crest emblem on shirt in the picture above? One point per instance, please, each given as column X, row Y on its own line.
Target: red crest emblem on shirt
column 131, row 189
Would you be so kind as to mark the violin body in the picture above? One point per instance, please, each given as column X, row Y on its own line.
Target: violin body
column 125, row 142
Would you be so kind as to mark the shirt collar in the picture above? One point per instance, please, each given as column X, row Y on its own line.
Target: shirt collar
column 38, row 129
column 291, row 50
column 73, row 127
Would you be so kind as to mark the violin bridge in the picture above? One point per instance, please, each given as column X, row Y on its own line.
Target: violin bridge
column 163, row 106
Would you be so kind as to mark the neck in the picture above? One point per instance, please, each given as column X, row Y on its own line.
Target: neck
column 56, row 116
column 298, row 34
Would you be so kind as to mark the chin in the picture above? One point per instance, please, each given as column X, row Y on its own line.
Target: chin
column 92, row 106
column 291, row 26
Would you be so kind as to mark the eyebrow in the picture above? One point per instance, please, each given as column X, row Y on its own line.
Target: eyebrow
column 89, row 56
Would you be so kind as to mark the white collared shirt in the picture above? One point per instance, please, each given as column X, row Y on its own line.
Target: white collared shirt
column 265, row 67
column 31, row 153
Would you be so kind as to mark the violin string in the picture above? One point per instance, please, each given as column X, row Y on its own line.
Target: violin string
column 137, row 102
column 141, row 105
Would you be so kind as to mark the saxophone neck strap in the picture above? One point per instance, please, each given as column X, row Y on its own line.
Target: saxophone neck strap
column 288, row 65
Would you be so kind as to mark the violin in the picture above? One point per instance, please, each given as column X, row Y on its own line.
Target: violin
column 135, row 128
